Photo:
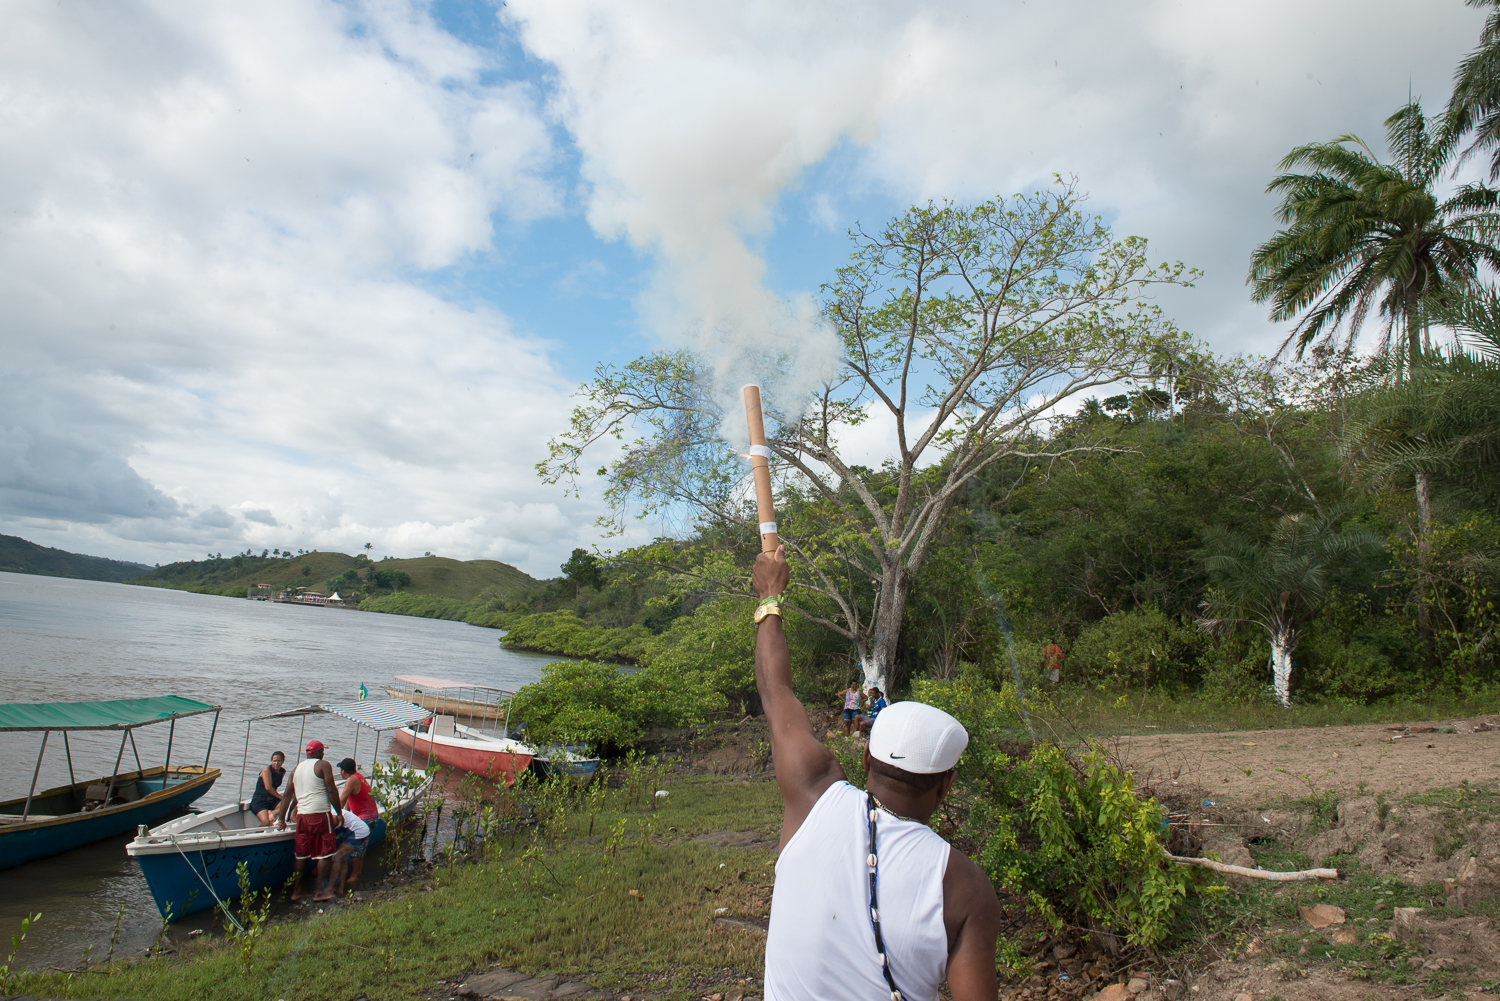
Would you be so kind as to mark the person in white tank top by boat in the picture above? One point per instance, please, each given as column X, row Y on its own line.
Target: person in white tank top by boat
column 312, row 788
column 869, row 903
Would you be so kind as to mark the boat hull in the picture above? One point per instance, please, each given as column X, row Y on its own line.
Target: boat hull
column 572, row 766
column 494, row 763
column 54, row 835
column 193, row 863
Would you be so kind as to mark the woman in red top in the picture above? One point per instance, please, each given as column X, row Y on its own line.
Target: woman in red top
column 356, row 799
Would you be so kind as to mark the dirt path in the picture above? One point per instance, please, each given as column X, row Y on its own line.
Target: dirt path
column 1263, row 767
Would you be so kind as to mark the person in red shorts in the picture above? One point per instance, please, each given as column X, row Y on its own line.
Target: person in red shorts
column 312, row 788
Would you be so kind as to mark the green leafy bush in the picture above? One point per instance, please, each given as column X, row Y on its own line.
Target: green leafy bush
column 1355, row 670
column 1143, row 646
column 479, row 612
column 717, row 641
column 1070, row 834
column 1233, row 670
column 999, row 670
column 397, row 579
column 600, row 705
column 566, row 634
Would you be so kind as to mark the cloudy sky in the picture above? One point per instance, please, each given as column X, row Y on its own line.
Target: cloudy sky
column 308, row 274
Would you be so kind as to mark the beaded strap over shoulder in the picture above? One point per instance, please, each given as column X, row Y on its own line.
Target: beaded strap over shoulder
column 874, row 863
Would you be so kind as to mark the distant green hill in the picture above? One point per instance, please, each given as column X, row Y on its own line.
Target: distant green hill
column 19, row 556
column 433, row 575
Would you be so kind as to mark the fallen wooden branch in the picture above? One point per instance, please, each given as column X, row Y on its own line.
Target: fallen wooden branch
column 1239, row 870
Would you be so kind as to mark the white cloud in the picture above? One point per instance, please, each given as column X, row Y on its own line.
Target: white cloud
column 211, row 219
column 1174, row 116
column 694, row 119
column 220, row 225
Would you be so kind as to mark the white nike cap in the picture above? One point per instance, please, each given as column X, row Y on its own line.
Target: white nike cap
column 917, row 738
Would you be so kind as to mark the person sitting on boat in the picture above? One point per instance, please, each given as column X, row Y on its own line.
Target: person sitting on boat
column 312, row 788
column 349, row 860
column 356, row 798
column 263, row 801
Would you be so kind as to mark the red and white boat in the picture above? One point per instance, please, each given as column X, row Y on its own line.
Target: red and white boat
column 450, row 743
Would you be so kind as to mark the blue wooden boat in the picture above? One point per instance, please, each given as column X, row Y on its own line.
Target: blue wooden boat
column 567, row 760
column 190, row 864
column 65, row 817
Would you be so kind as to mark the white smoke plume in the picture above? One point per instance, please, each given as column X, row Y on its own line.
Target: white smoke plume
column 691, row 172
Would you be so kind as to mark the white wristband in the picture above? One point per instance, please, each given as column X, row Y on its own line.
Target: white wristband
column 760, row 450
column 767, row 528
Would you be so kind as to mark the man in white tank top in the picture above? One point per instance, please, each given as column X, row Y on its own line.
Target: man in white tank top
column 869, row 902
column 312, row 788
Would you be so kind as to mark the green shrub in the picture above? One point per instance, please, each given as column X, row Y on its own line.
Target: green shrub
column 1140, row 647
column 1325, row 665
column 1069, row 834
column 607, row 708
column 716, row 641
column 998, row 670
column 425, row 606
column 478, row 612
column 565, row 634
column 1235, row 670
column 396, row 579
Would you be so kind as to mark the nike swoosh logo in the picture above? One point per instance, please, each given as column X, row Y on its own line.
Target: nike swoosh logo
column 894, row 755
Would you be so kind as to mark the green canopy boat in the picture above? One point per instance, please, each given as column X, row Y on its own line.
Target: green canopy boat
column 53, row 821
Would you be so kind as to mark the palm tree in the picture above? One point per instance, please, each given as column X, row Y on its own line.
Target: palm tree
column 1363, row 233
column 1277, row 584
column 1475, row 104
column 1444, row 418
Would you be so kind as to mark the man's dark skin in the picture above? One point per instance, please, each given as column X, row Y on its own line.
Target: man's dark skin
column 805, row 768
column 324, row 771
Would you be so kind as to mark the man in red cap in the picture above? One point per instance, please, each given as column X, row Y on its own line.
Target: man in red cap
column 869, row 902
column 312, row 788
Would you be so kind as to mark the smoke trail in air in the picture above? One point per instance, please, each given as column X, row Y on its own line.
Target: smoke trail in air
column 692, row 121
column 1002, row 620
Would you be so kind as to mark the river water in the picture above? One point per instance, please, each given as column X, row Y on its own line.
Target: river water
column 66, row 640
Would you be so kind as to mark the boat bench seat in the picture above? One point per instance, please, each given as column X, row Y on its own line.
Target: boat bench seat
column 127, row 791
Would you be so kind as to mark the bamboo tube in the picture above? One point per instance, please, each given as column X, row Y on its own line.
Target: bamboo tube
column 760, row 469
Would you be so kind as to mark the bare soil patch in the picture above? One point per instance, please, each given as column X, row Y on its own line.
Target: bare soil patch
column 1262, row 767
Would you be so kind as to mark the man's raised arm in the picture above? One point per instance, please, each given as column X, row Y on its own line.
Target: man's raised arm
column 804, row 767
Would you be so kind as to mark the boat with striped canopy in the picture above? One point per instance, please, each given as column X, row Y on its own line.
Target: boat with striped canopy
column 190, row 864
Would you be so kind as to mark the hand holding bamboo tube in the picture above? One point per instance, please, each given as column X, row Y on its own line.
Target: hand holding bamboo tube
column 760, row 469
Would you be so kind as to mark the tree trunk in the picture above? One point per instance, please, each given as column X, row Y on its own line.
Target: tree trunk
column 877, row 655
column 1283, row 642
column 1424, row 555
column 1423, row 489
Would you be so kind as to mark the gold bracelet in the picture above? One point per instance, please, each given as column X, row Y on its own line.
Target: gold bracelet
column 768, row 606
